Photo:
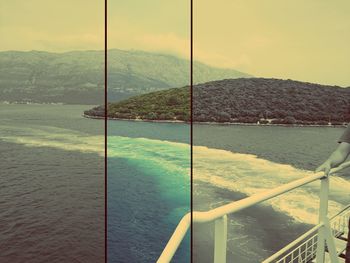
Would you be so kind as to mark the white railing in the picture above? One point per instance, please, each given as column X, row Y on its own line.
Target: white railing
column 219, row 215
column 304, row 248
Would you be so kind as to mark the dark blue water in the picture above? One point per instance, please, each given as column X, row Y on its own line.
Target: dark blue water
column 148, row 189
column 51, row 185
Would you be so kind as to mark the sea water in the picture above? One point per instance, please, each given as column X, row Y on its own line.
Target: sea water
column 52, row 184
column 232, row 162
column 148, row 189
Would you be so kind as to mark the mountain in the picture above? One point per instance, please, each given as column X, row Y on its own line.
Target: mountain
column 78, row 76
column 71, row 77
column 240, row 100
column 138, row 72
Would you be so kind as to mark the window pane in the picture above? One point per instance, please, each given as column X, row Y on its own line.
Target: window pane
column 52, row 158
column 148, row 139
column 269, row 114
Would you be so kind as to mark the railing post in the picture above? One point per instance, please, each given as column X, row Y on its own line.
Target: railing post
column 220, row 240
column 175, row 239
column 330, row 243
column 322, row 218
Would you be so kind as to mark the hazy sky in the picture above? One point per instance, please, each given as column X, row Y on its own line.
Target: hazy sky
column 51, row 25
column 297, row 39
column 153, row 25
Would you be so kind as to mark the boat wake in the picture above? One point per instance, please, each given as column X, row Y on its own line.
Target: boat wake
column 248, row 174
column 170, row 161
column 53, row 137
column 243, row 173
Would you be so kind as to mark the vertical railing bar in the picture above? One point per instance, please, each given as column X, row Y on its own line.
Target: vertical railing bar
column 220, row 242
column 220, row 215
column 330, row 243
column 323, row 210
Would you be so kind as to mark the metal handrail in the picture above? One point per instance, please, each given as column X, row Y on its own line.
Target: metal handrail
column 302, row 238
column 222, row 211
column 340, row 212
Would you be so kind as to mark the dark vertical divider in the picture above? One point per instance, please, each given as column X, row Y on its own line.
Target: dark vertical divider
column 105, row 92
column 191, row 118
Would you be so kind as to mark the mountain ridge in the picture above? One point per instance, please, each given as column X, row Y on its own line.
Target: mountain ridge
column 78, row 76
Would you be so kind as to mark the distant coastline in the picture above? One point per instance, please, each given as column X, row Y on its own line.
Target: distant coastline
column 30, row 103
column 214, row 123
column 139, row 120
column 244, row 101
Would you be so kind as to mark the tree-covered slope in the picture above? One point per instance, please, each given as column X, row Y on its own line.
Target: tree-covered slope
column 36, row 76
column 171, row 104
column 248, row 100
column 78, row 76
column 241, row 100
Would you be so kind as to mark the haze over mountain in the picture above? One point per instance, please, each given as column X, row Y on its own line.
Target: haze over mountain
column 78, row 76
column 37, row 76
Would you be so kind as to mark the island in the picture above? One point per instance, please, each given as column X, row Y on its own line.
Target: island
column 260, row 101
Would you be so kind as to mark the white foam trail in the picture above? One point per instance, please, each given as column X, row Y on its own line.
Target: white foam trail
column 171, row 156
column 168, row 163
column 64, row 139
column 250, row 175
column 243, row 173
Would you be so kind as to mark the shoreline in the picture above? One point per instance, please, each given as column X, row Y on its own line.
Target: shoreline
column 136, row 120
column 215, row 123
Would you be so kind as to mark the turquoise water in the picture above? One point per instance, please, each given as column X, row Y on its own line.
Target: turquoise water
column 148, row 186
column 148, row 189
column 52, row 185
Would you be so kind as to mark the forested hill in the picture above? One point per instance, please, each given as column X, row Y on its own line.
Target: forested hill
column 171, row 104
column 243, row 100
column 141, row 72
column 247, row 100
column 77, row 77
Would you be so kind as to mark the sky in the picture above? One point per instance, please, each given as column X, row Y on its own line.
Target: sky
column 51, row 25
column 296, row 39
column 151, row 25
